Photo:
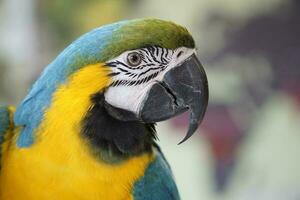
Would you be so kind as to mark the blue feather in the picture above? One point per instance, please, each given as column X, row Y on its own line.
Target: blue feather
column 4, row 125
column 157, row 183
column 85, row 50
column 4, row 122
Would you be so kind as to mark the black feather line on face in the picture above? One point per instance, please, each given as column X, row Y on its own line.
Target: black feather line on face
column 135, row 82
column 114, row 73
column 154, row 59
column 113, row 140
column 153, row 56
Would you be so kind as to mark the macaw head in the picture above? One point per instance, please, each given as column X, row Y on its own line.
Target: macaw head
column 151, row 69
column 157, row 75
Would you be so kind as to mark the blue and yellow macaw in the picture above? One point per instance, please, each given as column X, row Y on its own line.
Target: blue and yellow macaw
column 86, row 129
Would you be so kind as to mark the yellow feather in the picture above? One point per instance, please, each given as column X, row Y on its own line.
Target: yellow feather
column 59, row 164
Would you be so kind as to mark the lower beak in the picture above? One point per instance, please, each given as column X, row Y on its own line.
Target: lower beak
column 183, row 88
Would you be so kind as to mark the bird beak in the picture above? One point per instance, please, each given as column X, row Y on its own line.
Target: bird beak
column 183, row 88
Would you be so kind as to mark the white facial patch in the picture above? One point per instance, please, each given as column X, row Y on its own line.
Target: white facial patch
column 131, row 83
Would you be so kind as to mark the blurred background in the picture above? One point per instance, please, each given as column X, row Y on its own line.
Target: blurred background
column 249, row 144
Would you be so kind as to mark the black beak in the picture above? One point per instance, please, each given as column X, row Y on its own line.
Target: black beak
column 183, row 88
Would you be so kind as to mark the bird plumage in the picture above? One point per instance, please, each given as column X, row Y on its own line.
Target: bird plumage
column 60, row 162
column 6, row 128
column 66, row 141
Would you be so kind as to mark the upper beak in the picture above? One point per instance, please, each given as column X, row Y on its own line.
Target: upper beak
column 183, row 88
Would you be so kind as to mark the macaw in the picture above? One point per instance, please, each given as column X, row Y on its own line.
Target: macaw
column 86, row 130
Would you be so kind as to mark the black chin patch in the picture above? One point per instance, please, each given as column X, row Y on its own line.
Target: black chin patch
column 114, row 137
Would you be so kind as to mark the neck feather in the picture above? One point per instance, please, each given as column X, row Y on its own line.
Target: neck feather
column 113, row 140
column 76, row 122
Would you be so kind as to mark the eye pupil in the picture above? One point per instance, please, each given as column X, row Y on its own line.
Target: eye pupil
column 134, row 59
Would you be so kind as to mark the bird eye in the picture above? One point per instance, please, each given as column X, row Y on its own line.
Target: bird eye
column 134, row 59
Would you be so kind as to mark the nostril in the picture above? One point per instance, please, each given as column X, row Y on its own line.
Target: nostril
column 179, row 54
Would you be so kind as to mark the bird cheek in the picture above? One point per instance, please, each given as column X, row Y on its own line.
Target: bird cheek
column 127, row 97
